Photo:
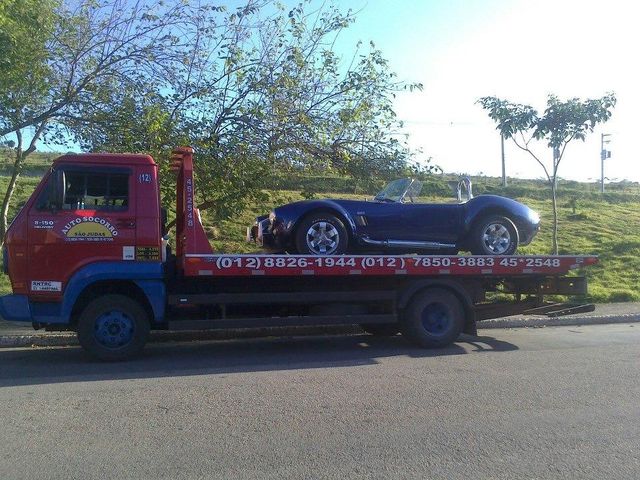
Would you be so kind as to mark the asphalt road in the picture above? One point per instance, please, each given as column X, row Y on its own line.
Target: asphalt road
column 560, row 402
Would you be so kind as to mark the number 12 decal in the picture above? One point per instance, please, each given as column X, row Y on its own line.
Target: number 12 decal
column 144, row 178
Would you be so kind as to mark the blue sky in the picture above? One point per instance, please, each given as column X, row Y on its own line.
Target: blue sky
column 522, row 50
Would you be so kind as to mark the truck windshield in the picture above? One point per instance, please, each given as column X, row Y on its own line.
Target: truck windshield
column 87, row 189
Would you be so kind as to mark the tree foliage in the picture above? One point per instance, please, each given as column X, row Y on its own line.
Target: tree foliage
column 263, row 90
column 561, row 123
column 254, row 88
column 26, row 28
column 66, row 60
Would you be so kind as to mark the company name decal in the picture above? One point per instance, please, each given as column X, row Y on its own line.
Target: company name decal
column 46, row 286
column 94, row 229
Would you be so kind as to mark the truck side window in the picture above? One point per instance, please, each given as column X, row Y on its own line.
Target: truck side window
column 43, row 200
column 86, row 190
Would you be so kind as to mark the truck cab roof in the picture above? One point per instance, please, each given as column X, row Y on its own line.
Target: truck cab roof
column 106, row 158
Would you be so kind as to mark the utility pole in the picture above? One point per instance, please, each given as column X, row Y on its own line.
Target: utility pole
column 504, row 171
column 604, row 154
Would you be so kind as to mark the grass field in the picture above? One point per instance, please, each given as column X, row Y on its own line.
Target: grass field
column 609, row 230
column 590, row 223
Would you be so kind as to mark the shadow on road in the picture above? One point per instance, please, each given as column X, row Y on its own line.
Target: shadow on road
column 71, row 364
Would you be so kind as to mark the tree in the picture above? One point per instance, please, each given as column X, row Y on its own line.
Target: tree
column 263, row 91
column 284, row 100
column 64, row 61
column 562, row 122
column 255, row 89
column 26, row 27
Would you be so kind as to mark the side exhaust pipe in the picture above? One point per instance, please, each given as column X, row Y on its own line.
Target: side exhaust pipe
column 406, row 244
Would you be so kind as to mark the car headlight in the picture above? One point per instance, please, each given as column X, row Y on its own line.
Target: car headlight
column 534, row 217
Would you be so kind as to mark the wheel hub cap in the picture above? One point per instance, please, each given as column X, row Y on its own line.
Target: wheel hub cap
column 435, row 319
column 114, row 329
column 496, row 238
column 322, row 238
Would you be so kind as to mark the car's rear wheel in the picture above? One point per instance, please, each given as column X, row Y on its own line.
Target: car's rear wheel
column 321, row 234
column 494, row 235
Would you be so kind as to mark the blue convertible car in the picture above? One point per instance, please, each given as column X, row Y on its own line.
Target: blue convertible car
column 394, row 222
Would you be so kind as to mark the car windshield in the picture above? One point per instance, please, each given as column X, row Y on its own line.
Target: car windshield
column 400, row 190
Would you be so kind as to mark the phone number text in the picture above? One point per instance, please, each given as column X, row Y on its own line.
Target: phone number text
column 366, row 262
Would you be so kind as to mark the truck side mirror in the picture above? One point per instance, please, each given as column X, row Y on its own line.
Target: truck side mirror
column 57, row 185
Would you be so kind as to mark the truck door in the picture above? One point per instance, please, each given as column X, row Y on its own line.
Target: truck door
column 92, row 220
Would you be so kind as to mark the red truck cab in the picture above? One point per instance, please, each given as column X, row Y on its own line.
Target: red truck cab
column 89, row 212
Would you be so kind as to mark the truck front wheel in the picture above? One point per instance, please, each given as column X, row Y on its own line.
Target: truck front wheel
column 113, row 327
column 433, row 319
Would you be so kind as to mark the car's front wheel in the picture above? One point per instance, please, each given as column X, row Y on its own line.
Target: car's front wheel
column 321, row 234
column 494, row 235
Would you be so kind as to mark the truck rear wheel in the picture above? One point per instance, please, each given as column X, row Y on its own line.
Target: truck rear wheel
column 113, row 327
column 433, row 319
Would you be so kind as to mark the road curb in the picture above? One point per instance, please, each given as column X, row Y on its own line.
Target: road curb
column 530, row 322
column 69, row 338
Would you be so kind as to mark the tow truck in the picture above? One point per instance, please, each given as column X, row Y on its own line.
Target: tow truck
column 88, row 252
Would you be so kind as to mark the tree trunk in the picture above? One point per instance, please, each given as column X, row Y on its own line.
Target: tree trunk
column 555, row 216
column 6, row 201
column 21, row 155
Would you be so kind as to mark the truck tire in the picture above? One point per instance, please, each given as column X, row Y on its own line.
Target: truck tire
column 433, row 319
column 381, row 329
column 321, row 234
column 113, row 327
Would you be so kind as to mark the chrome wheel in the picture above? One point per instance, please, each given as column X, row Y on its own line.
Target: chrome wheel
column 322, row 238
column 496, row 238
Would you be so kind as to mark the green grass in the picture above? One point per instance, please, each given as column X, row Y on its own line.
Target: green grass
column 36, row 164
column 607, row 229
column 604, row 225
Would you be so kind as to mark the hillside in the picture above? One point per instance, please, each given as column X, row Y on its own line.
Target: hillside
column 590, row 223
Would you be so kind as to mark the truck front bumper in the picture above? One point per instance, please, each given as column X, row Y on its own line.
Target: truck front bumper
column 15, row 308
